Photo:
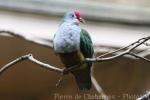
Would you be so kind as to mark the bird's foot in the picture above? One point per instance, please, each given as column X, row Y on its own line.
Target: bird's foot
column 65, row 71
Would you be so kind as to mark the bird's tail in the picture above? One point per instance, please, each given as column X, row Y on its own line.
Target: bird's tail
column 83, row 78
column 83, row 84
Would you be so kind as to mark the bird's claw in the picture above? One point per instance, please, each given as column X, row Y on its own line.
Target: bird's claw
column 65, row 71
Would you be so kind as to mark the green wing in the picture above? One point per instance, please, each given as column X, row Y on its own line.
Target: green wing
column 82, row 75
column 86, row 45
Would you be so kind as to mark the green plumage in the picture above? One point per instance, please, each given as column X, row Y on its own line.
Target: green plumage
column 82, row 75
column 86, row 45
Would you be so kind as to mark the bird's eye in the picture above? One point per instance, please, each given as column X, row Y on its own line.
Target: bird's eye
column 72, row 16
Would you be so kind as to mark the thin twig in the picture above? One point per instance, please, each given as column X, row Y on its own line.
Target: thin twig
column 32, row 59
column 112, row 52
column 44, row 65
column 145, row 96
column 97, row 86
column 96, row 59
column 142, row 58
column 139, row 43
column 14, row 62
column 147, row 44
column 52, row 68
column 134, row 45
column 128, row 50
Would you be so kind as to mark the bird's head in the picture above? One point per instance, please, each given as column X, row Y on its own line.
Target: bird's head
column 74, row 16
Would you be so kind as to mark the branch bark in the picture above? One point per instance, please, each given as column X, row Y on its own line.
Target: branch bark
column 145, row 96
column 32, row 59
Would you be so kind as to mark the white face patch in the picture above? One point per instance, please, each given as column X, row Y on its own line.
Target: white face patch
column 67, row 38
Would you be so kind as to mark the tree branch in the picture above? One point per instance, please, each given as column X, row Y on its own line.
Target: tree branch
column 97, row 86
column 145, row 96
column 128, row 50
column 58, row 70
column 142, row 58
column 32, row 59
column 13, row 63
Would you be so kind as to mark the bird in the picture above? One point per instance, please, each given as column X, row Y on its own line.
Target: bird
column 73, row 45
